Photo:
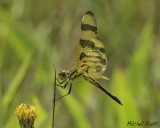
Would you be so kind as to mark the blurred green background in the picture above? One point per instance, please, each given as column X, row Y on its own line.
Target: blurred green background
column 35, row 34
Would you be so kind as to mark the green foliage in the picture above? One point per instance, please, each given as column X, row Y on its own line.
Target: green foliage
column 34, row 35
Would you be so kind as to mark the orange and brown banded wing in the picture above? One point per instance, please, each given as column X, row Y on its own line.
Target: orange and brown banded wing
column 88, row 31
column 93, row 62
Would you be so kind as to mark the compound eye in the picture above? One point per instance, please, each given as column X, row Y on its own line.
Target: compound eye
column 62, row 75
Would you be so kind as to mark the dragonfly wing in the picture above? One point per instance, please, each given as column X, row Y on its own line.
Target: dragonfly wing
column 95, row 61
column 90, row 57
column 88, row 31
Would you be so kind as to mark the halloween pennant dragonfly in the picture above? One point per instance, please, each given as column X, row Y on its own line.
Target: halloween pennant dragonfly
column 91, row 60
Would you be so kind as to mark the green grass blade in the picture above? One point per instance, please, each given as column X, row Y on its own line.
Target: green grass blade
column 77, row 111
column 16, row 82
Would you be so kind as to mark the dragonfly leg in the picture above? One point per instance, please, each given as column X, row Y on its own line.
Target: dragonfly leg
column 60, row 82
column 67, row 93
column 64, row 86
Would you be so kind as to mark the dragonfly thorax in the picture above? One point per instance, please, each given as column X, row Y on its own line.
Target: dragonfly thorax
column 63, row 75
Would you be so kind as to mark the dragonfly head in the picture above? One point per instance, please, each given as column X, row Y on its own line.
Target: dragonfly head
column 63, row 75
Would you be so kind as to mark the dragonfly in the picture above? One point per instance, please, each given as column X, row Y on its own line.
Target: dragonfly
column 91, row 60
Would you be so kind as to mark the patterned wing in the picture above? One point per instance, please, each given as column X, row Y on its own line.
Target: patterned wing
column 88, row 31
column 94, row 62
column 91, row 57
